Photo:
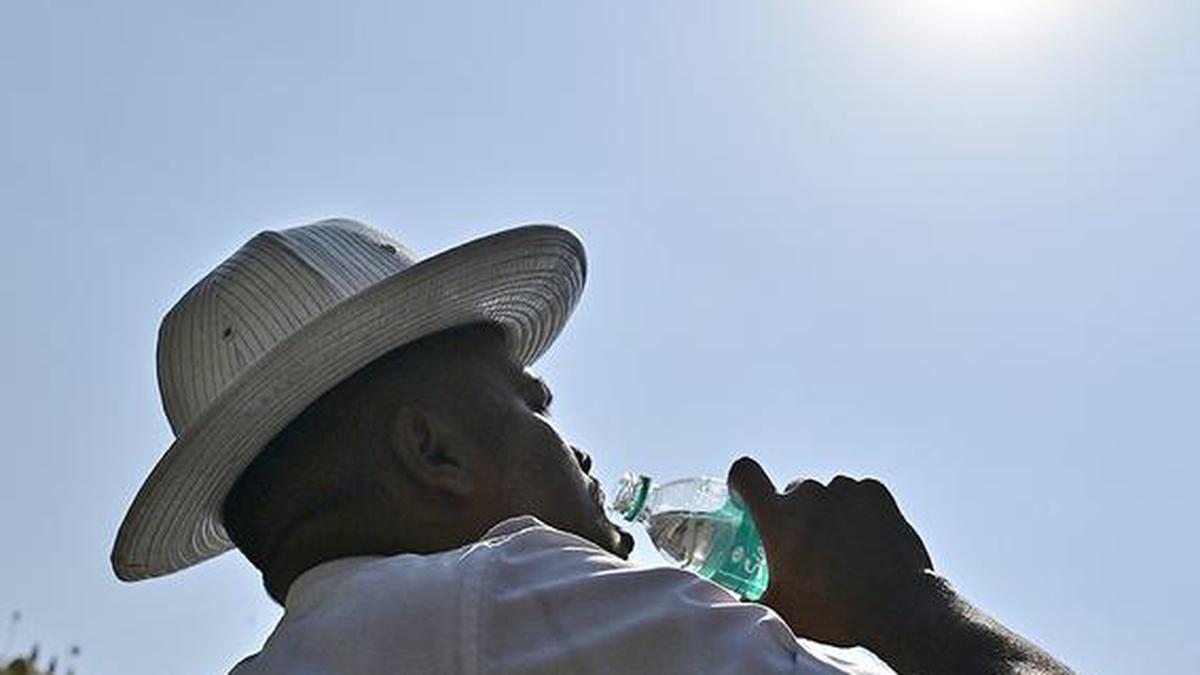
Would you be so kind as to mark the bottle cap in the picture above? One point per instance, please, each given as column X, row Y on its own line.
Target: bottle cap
column 630, row 497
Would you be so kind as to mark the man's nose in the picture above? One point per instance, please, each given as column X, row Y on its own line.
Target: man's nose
column 584, row 459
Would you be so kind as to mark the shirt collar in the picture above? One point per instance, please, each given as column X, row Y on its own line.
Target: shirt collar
column 315, row 577
column 511, row 526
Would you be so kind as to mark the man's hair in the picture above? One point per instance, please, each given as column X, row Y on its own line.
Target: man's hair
column 311, row 467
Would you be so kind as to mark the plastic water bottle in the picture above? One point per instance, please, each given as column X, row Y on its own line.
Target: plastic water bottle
column 701, row 525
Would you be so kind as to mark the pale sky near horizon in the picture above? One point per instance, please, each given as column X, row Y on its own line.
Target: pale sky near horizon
column 949, row 244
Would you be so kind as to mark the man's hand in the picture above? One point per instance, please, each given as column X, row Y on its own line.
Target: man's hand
column 841, row 556
column 847, row 569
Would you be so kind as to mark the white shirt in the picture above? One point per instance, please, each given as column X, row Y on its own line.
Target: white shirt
column 529, row 599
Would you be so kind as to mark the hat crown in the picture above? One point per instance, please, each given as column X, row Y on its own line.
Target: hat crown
column 266, row 291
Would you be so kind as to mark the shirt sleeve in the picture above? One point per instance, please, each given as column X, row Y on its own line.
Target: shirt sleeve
column 552, row 602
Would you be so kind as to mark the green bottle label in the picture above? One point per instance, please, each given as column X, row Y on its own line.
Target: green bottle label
column 742, row 565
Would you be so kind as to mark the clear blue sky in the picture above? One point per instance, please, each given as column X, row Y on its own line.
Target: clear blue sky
column 949, row 243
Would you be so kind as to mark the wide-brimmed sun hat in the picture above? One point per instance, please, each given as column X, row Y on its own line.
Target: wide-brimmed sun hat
column 287, row 317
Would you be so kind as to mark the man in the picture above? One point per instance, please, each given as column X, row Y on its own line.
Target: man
column 363, row 427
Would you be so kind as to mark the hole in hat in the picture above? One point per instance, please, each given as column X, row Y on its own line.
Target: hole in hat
column 227, row 333
column 388, row 248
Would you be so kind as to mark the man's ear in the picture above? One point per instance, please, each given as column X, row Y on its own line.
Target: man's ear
column 432, row 451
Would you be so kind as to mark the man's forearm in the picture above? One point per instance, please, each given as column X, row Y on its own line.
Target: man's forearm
column 936, row 632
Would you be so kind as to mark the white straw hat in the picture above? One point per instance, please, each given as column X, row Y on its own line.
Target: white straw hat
column 291, row 314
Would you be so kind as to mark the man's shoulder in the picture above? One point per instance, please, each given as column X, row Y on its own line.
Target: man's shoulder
column 522, row 546
column 529, row 530
column 525, row 548
column 506, row 598
column 524, row 525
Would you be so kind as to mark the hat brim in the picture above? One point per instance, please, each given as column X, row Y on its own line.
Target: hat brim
column 527, row 280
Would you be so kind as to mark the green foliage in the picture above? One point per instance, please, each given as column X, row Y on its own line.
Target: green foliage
column 21, row 667
column 29, row 664
column 26, row 665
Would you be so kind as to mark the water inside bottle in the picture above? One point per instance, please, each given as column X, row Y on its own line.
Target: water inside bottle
column 722, row 545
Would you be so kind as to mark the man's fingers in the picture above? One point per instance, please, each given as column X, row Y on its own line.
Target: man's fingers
column 804, row 491
column 879, row 496
column 887, row 504
column 754, row 488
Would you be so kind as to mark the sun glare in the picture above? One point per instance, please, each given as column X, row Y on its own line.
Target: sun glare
column 983, row 20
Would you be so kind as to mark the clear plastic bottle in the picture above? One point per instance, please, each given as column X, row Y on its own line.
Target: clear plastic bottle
column 701, row 525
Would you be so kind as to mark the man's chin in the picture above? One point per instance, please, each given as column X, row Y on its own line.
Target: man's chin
column 617, row 540
column 624, row 544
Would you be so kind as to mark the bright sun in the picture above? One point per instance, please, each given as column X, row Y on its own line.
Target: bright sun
column 983, row 19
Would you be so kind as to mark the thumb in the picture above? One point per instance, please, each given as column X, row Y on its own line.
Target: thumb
column 754, row 487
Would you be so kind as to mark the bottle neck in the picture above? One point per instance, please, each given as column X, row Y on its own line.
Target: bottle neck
column 632, row 494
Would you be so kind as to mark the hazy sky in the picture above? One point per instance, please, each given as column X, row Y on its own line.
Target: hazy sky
column 949, row 243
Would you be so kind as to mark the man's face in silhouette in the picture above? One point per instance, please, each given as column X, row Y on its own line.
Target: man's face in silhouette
column 524, row 466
